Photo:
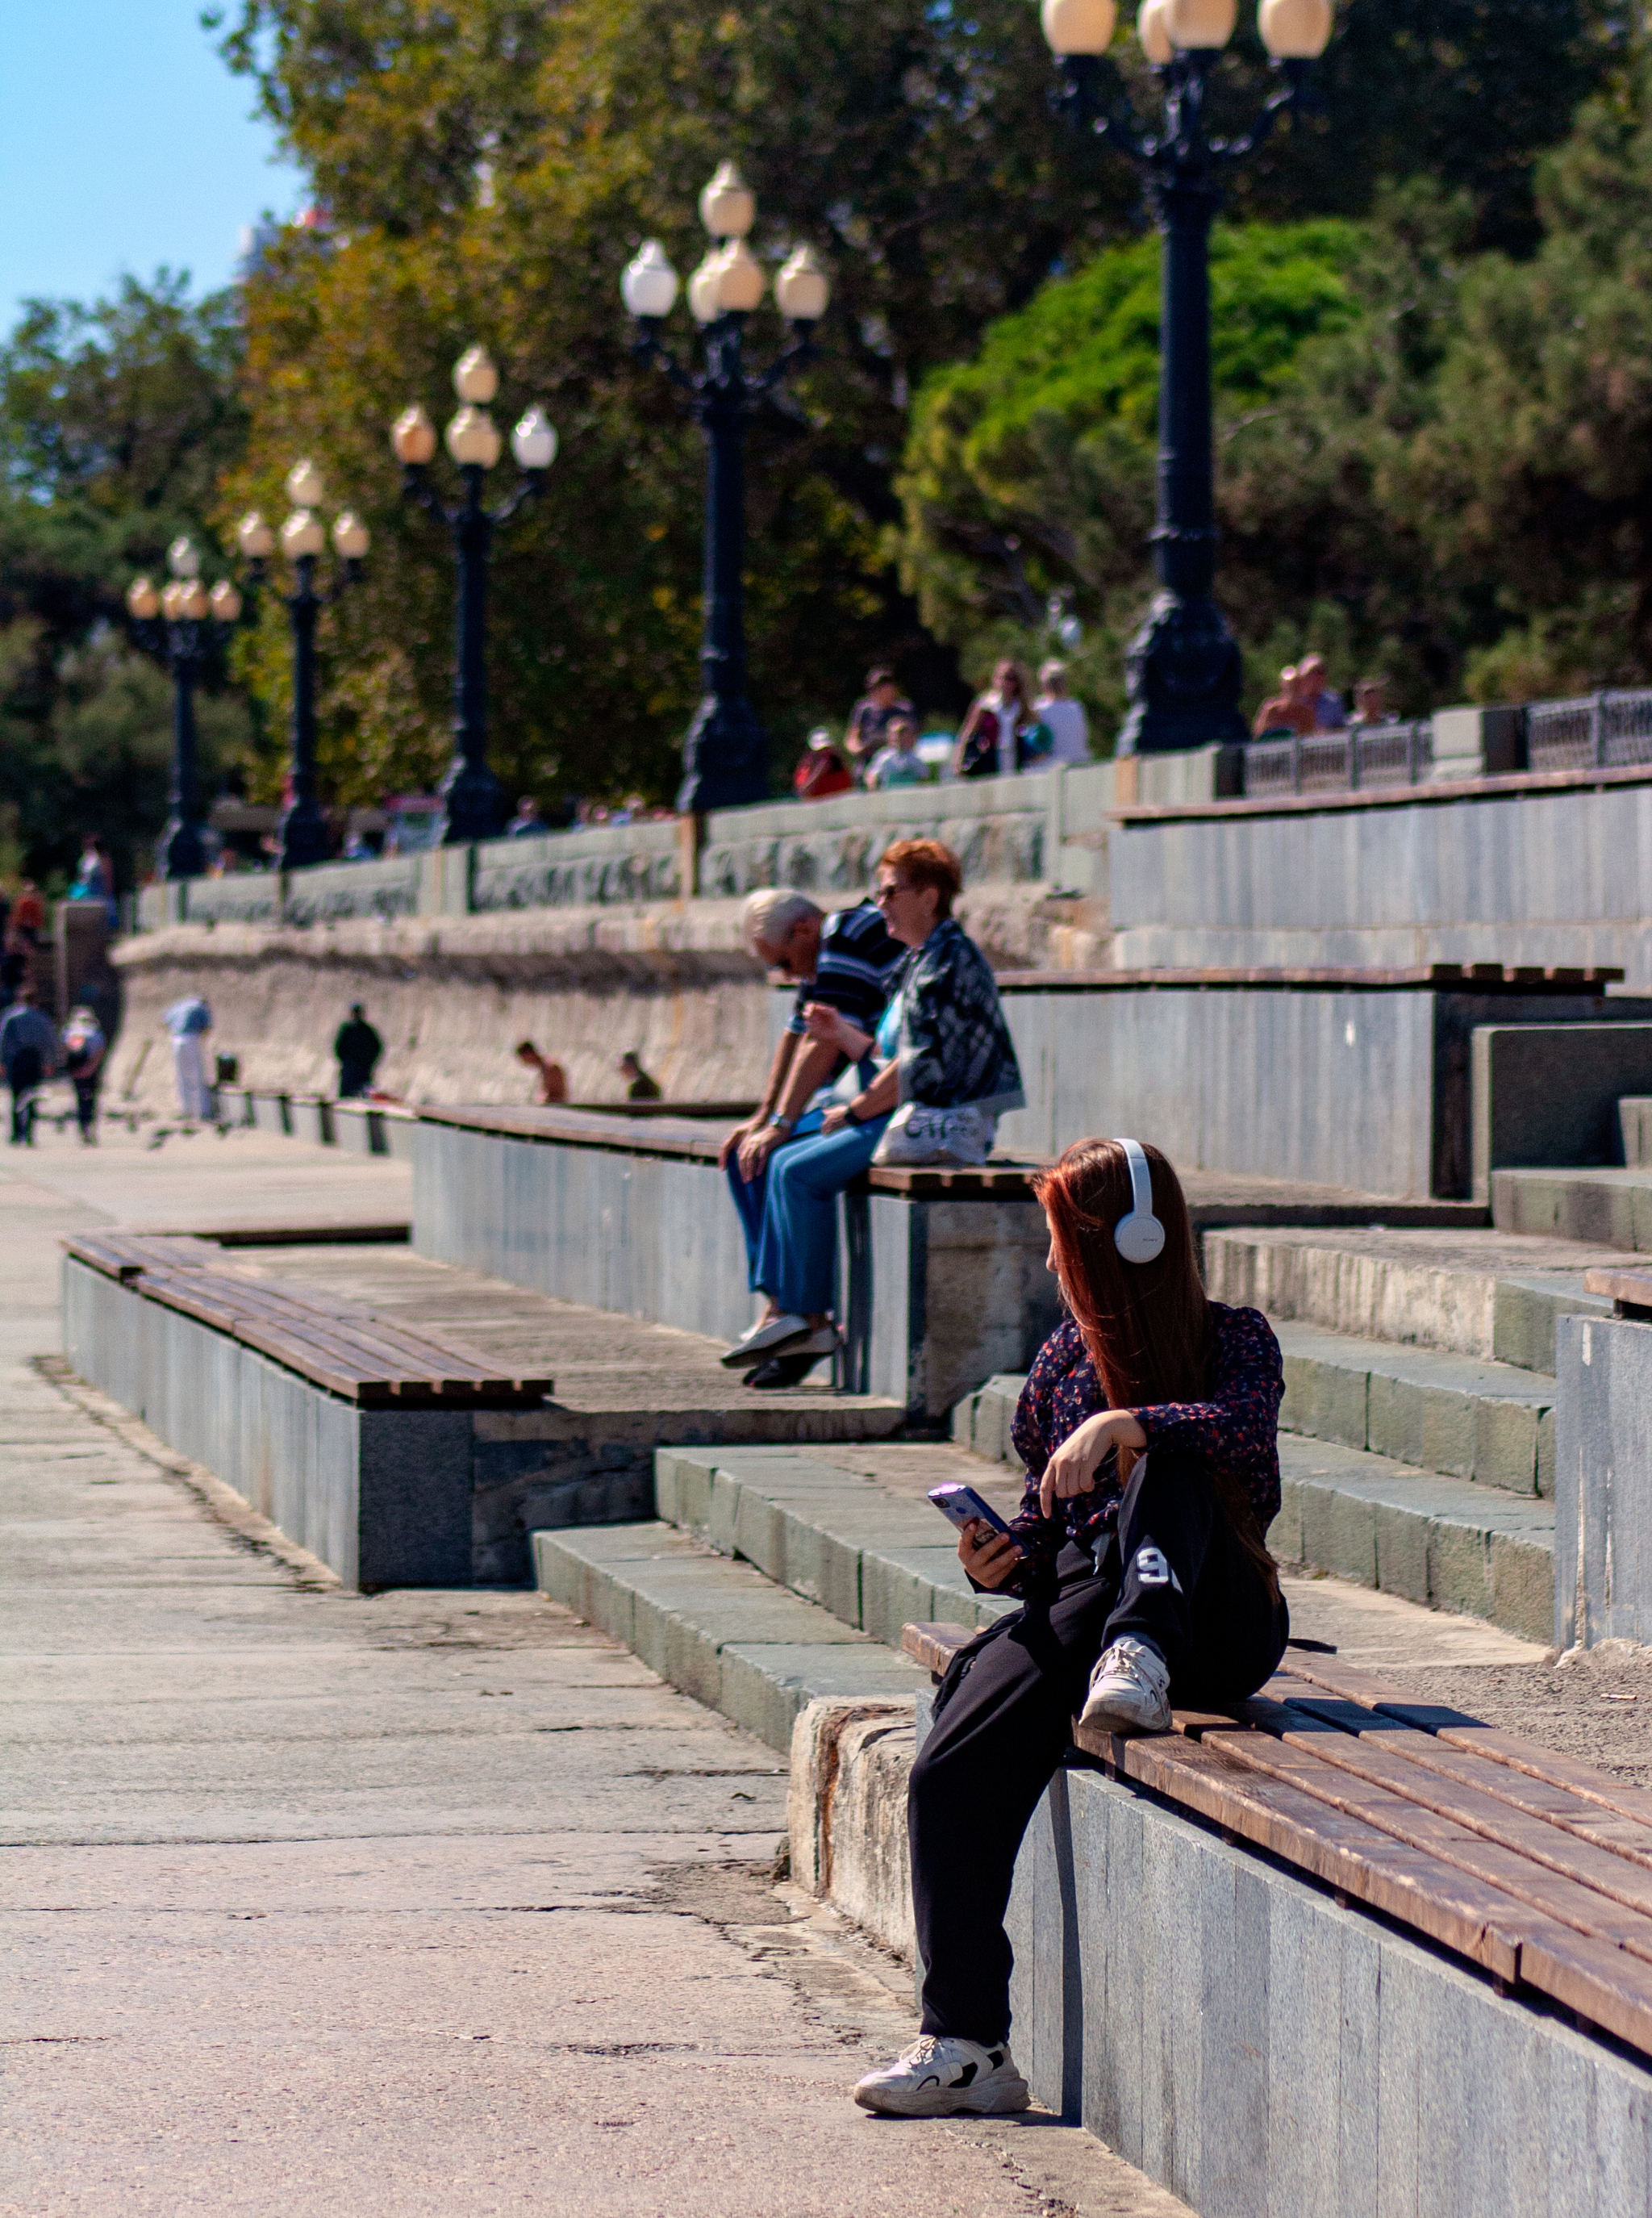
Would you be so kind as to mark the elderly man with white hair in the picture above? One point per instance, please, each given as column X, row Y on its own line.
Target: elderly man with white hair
column 844, row 961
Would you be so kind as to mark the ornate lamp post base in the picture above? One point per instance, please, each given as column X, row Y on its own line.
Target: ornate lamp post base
column 183, row 852
column 1183, row 673
column 725, row 757
column 476, row 805
column 302, row 834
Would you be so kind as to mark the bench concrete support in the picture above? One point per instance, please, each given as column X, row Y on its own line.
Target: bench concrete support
column 382, row 1496
column 1226, row 2026
column 1254, row 2047
column 1603, row 1481
column 386, row 1497
column 936, row 1294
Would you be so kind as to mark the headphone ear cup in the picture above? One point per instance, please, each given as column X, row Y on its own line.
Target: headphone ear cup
column 1139, row 1239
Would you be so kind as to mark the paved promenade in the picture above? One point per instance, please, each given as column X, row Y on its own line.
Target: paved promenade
column 423, row 1903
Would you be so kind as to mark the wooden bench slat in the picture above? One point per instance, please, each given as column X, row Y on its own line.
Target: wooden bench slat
column 934, row 1643
column 399, row 1345
column 1563, row 1828
column 1478, row 1921
column 1593, row 1978
column 1459, row 1731
column 1499, row 1862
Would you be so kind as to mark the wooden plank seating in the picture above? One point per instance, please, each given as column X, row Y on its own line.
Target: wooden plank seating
column 343, row 1346
column 1531, row 1865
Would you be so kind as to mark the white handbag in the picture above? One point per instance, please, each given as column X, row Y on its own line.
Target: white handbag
column 916, row 1135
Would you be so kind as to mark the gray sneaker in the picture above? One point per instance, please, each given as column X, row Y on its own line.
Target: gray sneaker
column 1129, row 1690
column 940, row 2076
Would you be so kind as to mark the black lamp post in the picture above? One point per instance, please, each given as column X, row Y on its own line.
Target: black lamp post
column 184, row 627
column 1183, row 667
column 476, row 805
column 725, row 755
column 303, row 828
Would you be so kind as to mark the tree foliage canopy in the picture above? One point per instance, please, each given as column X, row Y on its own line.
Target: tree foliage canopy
column 117, row 421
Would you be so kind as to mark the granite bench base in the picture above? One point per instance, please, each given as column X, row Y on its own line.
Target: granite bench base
column 1603, row 1481
column 384, row 1497
column 1251, row 2045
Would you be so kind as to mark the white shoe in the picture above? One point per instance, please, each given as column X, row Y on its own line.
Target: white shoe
column 1129, row 1690
column 939, row 2076
column 762, row 1339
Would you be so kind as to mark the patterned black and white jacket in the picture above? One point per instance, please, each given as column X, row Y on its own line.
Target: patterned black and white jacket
column 954, row 1045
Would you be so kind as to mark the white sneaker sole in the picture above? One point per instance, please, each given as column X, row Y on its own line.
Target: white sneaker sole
column 992, row 2098
column 1124, row 1716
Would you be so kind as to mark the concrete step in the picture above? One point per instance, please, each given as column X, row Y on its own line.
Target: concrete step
column 1425, row 1535
column 875, row 1558
column 1610, row 1207
column 720, row 1631
column 1491, row 1422
column 1490, row 1295
column 1443, row 1541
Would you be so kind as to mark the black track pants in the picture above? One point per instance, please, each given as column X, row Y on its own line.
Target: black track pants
column 1003, row 1713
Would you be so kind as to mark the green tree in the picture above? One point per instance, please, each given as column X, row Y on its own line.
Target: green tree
column 116, row 420
column 1028, row 470
column 488, row 166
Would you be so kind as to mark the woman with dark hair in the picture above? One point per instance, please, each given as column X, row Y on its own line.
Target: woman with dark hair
column 1148, row 1426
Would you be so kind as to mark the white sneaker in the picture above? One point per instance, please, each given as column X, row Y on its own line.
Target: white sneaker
column 939, row 2076
column 762, row 1339
column 1129, row 1690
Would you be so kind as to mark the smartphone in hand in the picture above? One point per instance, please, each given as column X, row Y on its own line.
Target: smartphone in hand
column 963, row 1506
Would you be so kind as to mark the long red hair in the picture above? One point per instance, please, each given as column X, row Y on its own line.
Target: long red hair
column 1145, row 1327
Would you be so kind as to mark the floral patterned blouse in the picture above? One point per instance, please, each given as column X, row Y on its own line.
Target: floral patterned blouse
column 1235, row 1431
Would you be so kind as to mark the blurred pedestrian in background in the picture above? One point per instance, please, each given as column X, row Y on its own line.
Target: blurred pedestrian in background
column 640, row 1087
column 357, row 1047
column 552, row 1086
column 997, row 737
column 84, row 1049
column 1371, row 702
column 1063, row 716
column 29, row 1052
column 189, row 1022
column 94, row 878
column 822, row 771
column 526, row 821
column 900, row 763
column 870, row 718
column 1330, row 715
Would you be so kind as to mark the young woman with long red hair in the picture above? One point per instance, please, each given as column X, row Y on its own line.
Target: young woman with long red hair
column 1148, row 1427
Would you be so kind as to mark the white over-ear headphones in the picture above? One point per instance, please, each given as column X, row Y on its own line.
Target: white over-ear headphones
column 1139, row 1237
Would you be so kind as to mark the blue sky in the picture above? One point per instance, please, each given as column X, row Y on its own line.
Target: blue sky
column 124, row 143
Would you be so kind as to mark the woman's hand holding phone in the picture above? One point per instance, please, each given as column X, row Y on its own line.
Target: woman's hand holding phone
column 1072, row 1470
column 988, row 1557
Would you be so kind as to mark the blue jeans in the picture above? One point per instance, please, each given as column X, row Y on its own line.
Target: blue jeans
column 797, row 1252
column 752, row 1196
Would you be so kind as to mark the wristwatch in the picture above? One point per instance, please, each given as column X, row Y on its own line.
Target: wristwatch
column 785, row 1125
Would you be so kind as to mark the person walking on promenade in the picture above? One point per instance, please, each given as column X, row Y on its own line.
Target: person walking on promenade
column 948, row 1069
column 28, row 1052
column 552, row 1084
column 84, row 1049
column 188, row 1023
column 639, row 1086
column 357, row 1047
column 1148, row 1426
